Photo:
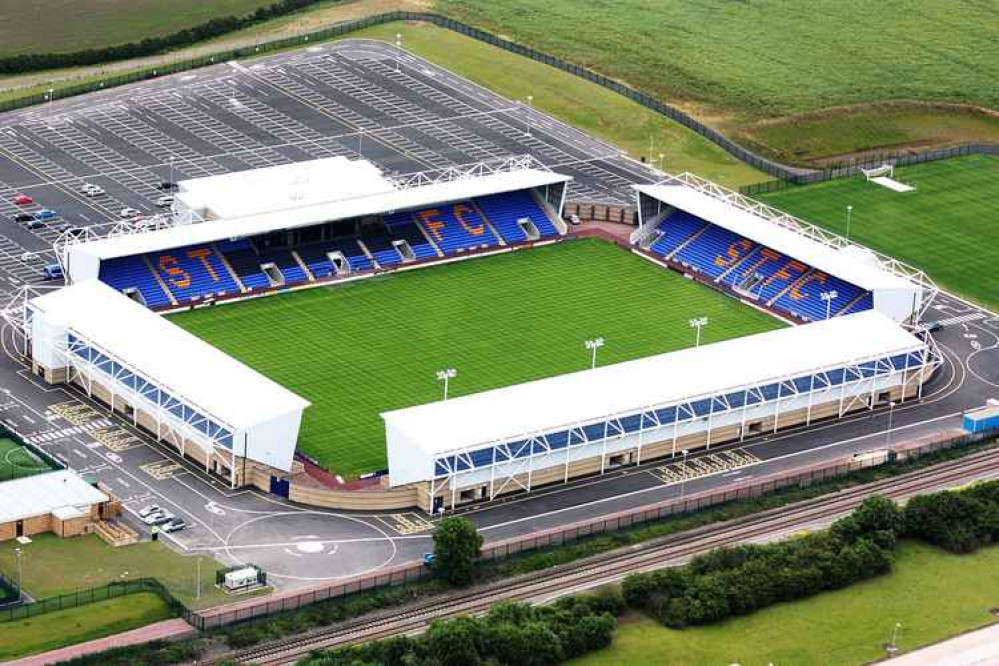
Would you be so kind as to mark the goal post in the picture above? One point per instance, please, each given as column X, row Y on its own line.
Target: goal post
column 886, row 169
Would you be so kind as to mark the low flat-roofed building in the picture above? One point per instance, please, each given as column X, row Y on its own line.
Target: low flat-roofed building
column 59, row 502
column 205, row 403
column 478, row 446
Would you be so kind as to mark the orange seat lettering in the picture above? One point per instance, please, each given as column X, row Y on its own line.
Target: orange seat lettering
column 178, row 277
column 735, row 252
column 202, row 254
column 431, row 220
column 796, row 293
column 460, row 210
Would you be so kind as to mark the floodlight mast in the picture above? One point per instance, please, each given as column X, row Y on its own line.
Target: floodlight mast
column 446, row 376
column 829, row 297
column 593, row 345
column 698, row 323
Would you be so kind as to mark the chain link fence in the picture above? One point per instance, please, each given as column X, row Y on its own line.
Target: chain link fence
column 869, row 161
column 95, row 594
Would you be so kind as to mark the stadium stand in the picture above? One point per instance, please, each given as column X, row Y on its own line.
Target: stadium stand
column 248, row 264
column 456, row 228
column 779, row 281
column 132, row 273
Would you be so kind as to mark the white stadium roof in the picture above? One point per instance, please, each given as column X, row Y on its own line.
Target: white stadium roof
column 294, row 185
column 62, row 493
column 166, row 354
column 861, row 270
column 372, row 198
column 566, row 400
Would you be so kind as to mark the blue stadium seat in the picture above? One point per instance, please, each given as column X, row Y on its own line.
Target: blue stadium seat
column 246, row 262
column 676, row 229
column 709, row 252
column 193, row 272
column 456, row 228
column 133, row 273
column 402, row 226
column 504, row 210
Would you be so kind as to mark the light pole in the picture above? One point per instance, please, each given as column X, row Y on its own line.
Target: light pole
column 661, row 157
column 170, row 180
column 698, row 323
column 530, row 99
column 829, row 297
column 199, row 579
column 894, row 638
column 849, row 213
column 398, row 48
column 593, row 345
column 891, row 411
column 446, row 376
column 683, row 479
column 20, row 592
column 360, row 140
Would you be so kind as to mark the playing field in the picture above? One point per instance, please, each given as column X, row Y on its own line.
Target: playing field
column 358, row 349
column 948, row 226
column 17, row 461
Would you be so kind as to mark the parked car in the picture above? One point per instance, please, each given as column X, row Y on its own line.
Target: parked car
column 165, row 201
column 29, row 256
column 24, row 217
column 157, row 518
column 167, row 186
column 75, row 232
column 52, row 272
column 173, row 525
column 148, row 509
column 91, row 190
column 129, row 213
column 23, row 200
column 34, row 223
column 45, row 214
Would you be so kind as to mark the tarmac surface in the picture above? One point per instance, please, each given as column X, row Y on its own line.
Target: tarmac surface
column 355, row 98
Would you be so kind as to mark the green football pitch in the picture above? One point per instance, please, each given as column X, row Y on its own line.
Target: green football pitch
column 355, row 350
column 17, row 461
column 948, row 226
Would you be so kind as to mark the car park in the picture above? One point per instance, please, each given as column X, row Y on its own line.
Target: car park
column 129, row 213
column 23, row 200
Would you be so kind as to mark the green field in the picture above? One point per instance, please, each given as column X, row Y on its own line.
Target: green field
column 932, row 593
column 48, row 26
column 948, row 226
column 358, row 349
column 51, row 631
column 17, row 461
column 52, row 566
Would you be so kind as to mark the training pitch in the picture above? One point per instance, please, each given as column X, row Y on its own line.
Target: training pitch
column 946, row 226
column 17, row 461
column 358, row 349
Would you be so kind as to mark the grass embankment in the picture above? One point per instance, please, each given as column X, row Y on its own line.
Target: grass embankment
column 735, row 64
column 52, row 566
column 20, row 638
column 932, row 593
column 498, row 320
column 947, row 226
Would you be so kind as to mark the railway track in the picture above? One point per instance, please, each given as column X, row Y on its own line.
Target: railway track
column 606, row 568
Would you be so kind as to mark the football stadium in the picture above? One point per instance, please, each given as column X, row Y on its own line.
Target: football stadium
column 448, row 337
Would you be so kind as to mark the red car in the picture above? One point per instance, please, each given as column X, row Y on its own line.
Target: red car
column 23, row 200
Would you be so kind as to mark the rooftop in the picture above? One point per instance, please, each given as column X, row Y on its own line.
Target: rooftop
column 178, row 361
column 557, row 402
column 62, row 493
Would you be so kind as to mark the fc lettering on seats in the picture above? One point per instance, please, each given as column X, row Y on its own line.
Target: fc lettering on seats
column 178, row 277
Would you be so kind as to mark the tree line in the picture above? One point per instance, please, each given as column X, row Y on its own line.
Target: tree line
column 216, row 27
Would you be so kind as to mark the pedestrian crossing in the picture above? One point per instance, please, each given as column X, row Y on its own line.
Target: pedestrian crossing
column 962, row 319
column 53, row 435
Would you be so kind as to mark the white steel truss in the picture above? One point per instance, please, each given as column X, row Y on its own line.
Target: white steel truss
column 803, row 228
column 514, row 457
column 466, row 171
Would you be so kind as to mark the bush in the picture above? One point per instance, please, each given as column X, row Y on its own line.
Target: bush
column 959, row 521
column 457, row 545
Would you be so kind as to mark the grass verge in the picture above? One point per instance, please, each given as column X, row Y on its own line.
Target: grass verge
column 52, row 566
column 931, row 593
column 498, row 320
column 20, row 638
column 947, row 226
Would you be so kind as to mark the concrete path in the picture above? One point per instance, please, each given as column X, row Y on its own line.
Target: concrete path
column 976, row 648
column 158, row 630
